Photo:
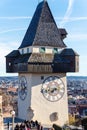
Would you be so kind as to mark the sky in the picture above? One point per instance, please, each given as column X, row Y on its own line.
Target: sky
column 15, row 16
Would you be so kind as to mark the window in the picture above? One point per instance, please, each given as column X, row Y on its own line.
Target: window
column 42, row 50
column 27, row 50
column 22, row 51
column 9, row 63
column 42, row 77
column 55, row 50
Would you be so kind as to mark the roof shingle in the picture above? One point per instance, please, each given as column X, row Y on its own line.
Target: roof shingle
column 43, row 30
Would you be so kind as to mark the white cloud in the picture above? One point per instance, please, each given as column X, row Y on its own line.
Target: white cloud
column 64, row 19
column 16, row 17
column 53, row 0
column 6, row 48
column 72, row 19
column 76, row 19
column 77, row 37
column 68, row 13
column 11, row 30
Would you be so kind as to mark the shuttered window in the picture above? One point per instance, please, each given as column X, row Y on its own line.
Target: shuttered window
column 27, row 50
column 42, row 50
column 22, row 51
column 55, row 50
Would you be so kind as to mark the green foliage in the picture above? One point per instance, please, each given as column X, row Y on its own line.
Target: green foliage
column 56, row 127
column 71, row 119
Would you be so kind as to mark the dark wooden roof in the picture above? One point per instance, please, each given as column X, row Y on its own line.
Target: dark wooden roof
column 62, row 31
column 14, row 53
column 42, row 30
column 69, row 52
column 22, row 58
column 40, row 58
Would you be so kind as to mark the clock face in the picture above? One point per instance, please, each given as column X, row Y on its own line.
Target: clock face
column 22, row 87
column 53, row 88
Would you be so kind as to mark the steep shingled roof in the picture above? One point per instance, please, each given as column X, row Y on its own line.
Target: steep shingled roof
column 42, row 30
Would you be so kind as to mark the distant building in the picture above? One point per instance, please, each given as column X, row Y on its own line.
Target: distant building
column 82, row 109
column 1, row 114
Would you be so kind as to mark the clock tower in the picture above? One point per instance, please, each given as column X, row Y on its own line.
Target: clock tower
column 42, row 61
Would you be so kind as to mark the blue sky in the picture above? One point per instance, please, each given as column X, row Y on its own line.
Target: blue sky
column 15, row 16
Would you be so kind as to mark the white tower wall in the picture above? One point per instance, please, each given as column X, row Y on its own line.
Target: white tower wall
column 36, row 107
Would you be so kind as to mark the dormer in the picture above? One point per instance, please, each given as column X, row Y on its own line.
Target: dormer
column 63, row 33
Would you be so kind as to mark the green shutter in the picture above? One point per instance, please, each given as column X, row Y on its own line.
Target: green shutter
column 42, row 50
column 55, row 50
